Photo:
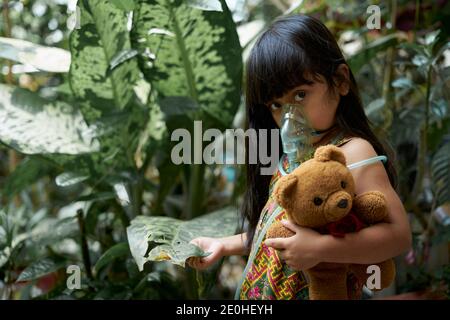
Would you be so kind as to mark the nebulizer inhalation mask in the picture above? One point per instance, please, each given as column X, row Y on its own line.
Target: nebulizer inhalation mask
column 296, row 134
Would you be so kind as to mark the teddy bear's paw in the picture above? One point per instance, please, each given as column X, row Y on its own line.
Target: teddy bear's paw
column 277, row 230
column 371, row 207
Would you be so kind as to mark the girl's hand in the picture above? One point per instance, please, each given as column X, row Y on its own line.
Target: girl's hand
column 212, row 245
column 299, row 252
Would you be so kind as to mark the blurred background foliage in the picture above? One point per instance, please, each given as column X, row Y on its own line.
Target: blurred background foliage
column 90, row 93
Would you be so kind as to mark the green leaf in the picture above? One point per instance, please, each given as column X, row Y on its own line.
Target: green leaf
column 436, row 133
column 69, row 179
column 375, row 107
column 172, row 236
column 439, row 53
column 207, row 5
column 42, row 58
column 432, row 37
column 440, row 170
column 52, row 231
column 33, row 125
column 4, row 256
column 121, row 57
column 40, row 268
column 29, row 170
column 103, row 77
column 420, row 60
column 403, row 83
column 102, row 36
column 97, row 196
column 117, row 251
column 197, row 56
column 439, row 109
column 125, row 5
column 122, row 193
column 414, row 47
column 358, row 60
column 172, row 106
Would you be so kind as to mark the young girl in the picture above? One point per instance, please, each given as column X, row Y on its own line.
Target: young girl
column 297, row 60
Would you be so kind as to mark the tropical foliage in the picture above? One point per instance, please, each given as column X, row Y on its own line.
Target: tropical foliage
column 87, row 114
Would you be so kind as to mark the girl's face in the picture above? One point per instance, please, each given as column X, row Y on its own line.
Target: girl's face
column 319, row 101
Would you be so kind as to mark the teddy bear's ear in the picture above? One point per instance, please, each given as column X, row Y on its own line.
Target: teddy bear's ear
column 284, row 189
column 329, row 153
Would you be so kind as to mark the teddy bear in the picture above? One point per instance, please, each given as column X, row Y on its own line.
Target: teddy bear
column 320, row 194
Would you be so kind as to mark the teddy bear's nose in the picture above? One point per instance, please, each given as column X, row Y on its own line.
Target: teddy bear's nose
column 342, row 203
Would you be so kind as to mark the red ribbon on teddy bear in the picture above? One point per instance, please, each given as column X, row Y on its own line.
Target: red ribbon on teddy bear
column 350, row 223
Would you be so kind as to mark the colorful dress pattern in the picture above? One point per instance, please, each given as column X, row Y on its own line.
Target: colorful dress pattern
column 267, row 277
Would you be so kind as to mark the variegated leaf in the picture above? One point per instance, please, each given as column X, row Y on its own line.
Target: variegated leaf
column 103, row 81
column 173, row 235
column 191, row 52
column 33, row 125
column 440, row 169
column 102, row 36
column 42, row 58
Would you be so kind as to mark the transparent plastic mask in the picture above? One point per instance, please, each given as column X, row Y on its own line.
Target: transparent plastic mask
column 296, row 134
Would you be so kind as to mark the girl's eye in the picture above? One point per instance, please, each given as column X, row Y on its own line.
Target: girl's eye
column 343, row 184
column 300, row 95
column 275, row 106
column 317, row 201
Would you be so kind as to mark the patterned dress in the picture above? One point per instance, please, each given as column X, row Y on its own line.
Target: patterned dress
column 267, row 277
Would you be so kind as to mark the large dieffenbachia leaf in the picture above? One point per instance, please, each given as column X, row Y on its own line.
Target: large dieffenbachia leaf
column 33, row 125
column 172, row 236
column 42, row 58
column 186, row 51
column 102, row 36
column 104, row 83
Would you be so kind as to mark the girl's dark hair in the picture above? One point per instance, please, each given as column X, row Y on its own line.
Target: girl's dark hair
column 291, row 49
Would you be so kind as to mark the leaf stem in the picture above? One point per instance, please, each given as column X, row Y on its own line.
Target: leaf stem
column 196, row 191
column 84, row 245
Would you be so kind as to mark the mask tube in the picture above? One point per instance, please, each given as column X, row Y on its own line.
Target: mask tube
column 296, row 134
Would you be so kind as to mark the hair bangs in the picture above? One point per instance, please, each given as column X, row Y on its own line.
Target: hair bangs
column 276, row 68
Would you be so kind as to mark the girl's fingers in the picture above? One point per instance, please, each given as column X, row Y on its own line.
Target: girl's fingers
column 211, row 258
column 290, row 225
column 197, row 263
column 194, row 262
column 276, row 243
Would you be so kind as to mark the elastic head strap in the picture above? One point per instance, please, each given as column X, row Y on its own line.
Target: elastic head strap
column 350, row 166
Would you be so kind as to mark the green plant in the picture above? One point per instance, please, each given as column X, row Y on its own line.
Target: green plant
column 102, row 157
column 85, row 136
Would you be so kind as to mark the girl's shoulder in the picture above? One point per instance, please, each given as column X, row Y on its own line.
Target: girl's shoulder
column 357, row 149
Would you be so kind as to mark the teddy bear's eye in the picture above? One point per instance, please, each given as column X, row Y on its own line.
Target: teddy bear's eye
column 317, row 201
column 343, row 184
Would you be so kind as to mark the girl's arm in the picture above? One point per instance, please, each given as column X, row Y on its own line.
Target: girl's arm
column 235, row 245
column 378, row 242
column 373, row 244
column 218, row 247
column 370, row 245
